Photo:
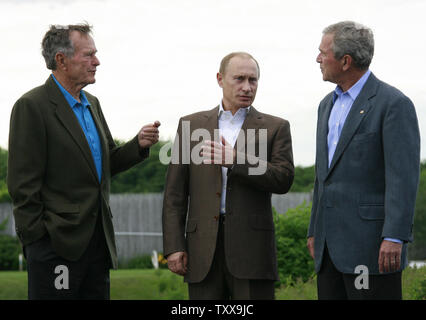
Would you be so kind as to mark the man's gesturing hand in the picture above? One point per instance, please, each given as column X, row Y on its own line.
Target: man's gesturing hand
column 218, row 153
column 177, row 262
column 389, row 256
column 149, row 135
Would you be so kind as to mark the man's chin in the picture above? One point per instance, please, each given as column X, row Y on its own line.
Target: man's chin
column 245, row 104
column 90, row 81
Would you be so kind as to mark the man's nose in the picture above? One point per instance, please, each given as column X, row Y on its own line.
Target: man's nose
column 246, row 86
column 319, row 58
column 96, row 61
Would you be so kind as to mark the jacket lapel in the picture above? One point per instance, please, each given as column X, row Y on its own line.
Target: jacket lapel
column 102, row 136
column 212, row 126
column 252, row 121
column 322, row 145
column 68, row 119
column 358, row 111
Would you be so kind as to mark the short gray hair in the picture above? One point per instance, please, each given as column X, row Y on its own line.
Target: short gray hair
column 57, row 39
column 353, row 39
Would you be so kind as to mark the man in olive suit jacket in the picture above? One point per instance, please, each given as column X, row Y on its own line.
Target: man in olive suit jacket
column 218, row 228
column 61, row 159
column 367, row 173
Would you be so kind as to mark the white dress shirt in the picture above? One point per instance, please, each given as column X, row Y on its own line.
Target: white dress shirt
column 229, row 127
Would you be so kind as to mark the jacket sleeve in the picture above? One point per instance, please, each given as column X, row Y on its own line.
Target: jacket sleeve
column 124, row 156
column 311, row 229
column 26, row 168
column 175, row 201
column 275, row 174
column 401, row 147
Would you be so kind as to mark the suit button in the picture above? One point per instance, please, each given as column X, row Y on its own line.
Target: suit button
column 218, row 194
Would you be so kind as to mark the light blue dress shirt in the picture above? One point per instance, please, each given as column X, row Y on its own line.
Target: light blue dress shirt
column 82, row 112
column 343, row 102
column 342, row 105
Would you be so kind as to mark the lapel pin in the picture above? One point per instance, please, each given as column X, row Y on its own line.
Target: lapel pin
column 362, row 111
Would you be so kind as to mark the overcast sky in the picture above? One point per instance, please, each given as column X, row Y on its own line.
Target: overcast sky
column 159, row 58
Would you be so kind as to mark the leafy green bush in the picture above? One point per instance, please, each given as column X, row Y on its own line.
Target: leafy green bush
column 414, row 283
column 9, row 252
column 294, row 261
column 420, row 291
column 147, row 176
column 3, row 224
column 4, row 194
column 304, row 179
column 417, row 249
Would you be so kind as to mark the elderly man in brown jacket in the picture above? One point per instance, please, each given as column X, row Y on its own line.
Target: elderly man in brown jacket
column 218, row 228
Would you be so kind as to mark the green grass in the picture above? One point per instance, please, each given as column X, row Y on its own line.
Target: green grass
column 162, row 284
column 148, row 284
column 135, row 284
column 13, row 285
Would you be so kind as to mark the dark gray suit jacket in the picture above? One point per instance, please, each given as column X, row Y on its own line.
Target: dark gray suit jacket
column 369, row 191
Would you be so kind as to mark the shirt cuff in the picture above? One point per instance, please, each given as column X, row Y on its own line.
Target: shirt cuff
column 393, row 240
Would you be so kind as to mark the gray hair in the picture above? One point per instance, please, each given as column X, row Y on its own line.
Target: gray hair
column 57, row 39
column 353, row 39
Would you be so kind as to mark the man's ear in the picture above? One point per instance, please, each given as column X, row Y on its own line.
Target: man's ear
column 346, row 62
column 219, row 78
column 61, row 61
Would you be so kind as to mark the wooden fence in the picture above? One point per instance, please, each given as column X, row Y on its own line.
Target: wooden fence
column 137, row 220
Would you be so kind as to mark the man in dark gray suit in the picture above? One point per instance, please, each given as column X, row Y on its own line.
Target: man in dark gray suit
column 367, row 173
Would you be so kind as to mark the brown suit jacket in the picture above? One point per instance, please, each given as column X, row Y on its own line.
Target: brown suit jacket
column 52, row 177
column 192, row 202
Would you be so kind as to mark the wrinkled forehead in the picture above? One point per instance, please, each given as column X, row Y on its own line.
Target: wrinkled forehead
column 326, row 41
column 243, row 66
column 82, row 41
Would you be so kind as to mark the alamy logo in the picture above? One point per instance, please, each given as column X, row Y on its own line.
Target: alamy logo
column 361, row 281
column 62, row 280
column 246, row 145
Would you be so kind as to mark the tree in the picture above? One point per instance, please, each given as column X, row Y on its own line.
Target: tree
column 4, row 194
column 148, row 176
column 304, row 179
column 417, row 250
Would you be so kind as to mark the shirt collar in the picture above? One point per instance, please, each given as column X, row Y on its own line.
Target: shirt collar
column 70, row 99
column 244, row 111
column 355, row 89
